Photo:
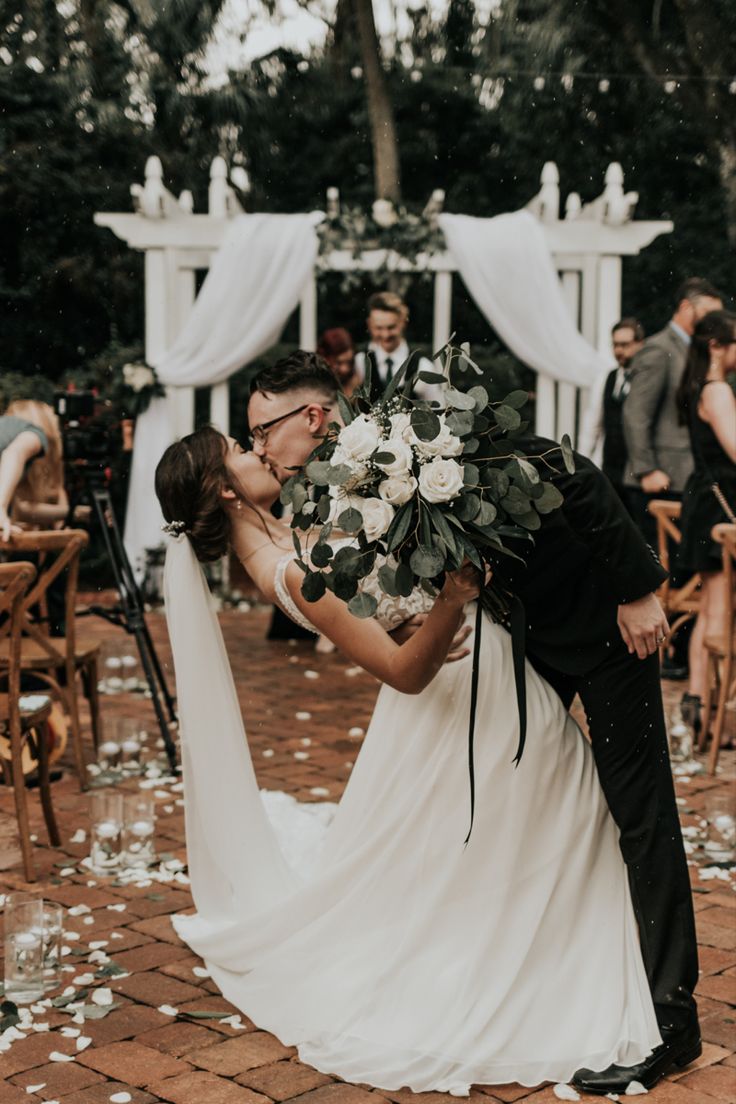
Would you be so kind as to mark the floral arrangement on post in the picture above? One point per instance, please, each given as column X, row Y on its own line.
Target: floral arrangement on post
column 140, row 384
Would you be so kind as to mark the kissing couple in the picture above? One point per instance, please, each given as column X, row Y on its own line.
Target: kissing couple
column 559, row 943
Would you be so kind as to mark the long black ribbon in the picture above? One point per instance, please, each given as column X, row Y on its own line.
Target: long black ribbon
column 517, row 627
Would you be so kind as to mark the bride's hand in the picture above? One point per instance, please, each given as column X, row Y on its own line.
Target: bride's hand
column 461, row 586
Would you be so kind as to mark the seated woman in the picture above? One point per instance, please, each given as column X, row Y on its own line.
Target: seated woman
column 336, row 348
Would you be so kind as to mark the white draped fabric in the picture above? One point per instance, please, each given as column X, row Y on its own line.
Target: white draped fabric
column 253, row 285
column 508, row 269
column 256, row 280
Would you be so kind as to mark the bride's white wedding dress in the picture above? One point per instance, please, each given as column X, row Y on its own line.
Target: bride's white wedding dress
column 389, row 953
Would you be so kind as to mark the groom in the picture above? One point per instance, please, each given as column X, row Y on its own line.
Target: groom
column 593, row 628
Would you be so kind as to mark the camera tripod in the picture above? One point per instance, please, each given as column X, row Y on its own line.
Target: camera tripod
column 129, row 613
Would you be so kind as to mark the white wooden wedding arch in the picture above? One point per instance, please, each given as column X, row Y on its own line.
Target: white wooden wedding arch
column 587, row 247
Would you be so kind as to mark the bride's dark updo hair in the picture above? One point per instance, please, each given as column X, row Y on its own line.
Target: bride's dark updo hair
column 190, row 478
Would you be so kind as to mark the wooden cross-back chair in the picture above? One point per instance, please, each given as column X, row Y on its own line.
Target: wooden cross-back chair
column 680, row 603
column 57, row 660
column 23, row 723
column 721, row 650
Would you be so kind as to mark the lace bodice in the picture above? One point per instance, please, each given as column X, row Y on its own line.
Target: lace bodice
column 390, row 612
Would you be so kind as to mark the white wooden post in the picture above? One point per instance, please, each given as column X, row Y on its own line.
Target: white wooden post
column 308, row 315
column 442, row 316
column 156, row 297
column 609, row 300
column 184, row 288
column 567, row 393
column 546, row 206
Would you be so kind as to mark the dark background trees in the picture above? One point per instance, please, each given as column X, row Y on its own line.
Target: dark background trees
column 89, row 89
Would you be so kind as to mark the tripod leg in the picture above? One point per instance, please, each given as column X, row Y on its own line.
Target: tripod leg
column 156, row 699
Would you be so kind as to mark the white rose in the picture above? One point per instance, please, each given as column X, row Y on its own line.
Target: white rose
column 401, row 427
column 359, row 439
column 397, row 489
column 440, row 480
column 446, row 443
column 137, row 376
column 403, row 457
column 384, row 213
column 360, row 472
column 377, row 516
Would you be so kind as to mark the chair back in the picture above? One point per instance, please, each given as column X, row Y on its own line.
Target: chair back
column 682, row 602
column 58, row 552
column 725, row 535
column 15, row 579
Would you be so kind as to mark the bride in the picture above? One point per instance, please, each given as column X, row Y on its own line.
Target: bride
column 373, row 940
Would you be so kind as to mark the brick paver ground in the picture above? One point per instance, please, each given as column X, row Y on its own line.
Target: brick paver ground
column 140, row 1051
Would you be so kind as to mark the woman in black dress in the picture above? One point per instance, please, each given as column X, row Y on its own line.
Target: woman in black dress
column 708, row 407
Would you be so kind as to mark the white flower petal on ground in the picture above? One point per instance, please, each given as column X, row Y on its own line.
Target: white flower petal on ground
column 168, row 1010
column 68, row 871
column 40, row 1026
column 116, row 908
column 565, row 1092
column 301, row 754
column 200, row 971
column 356, row 732
column 35, row 1088
column 319, row 791
column 302, row 715
column 79, row 910
column 268, row 753
column 71, row 1032
column 79, row 836
column 121, row 1098
column 635, row 1088
column 351, row 672
column 311, row 674
column 57, row 1056
column 83, row 1042
column 72, row 936
column 84, row 979
column 103, row 997
column 88, row 920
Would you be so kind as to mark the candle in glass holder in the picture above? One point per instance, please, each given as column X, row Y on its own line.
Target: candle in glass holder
column 52, row 932
column 106, row 830
column 720, row 814
column 24, row 982
column 138, row 831
column 113, row 674
column 129, row 672
column 108, row 755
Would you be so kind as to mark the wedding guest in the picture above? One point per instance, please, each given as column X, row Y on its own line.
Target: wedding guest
column 337, row 349
column 388, row 348
column 31, row 471
column 658, row 446
column 605, row 443
column 707, row 407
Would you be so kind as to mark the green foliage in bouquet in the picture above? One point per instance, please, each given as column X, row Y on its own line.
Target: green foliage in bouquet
column 417, row 489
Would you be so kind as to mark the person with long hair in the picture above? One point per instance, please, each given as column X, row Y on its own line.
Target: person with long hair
column 367, row 934
column 337, row 349
column 707, row 406
column 42, row 483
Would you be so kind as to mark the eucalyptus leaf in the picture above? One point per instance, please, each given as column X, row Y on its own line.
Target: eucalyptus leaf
column 339, row 475
column 427, row 561
column 382, row 458
column 363, row 605
column 471, row 551
column 487, row 514
column 431, row 377
column 287, row 490
column 110, row 969
column 346, row 411
column 206, row 1015
column 443, row 529
column 348, row 559
column 99, row 1011
column 350, row 520
column 324, row 505
column 471, row 446
column 515, row 502
column 459, row 400
column 549, row 500
column 344, row 586
column 496, row 481
column 313, row 586
column 321, row 554
column 299, row 497
column 316, row 471
column 460, row 422
column 480, row 397
column 506, row 417
column 529, row 470
column 425, row 423
column 325, row 532
column 516, row 399
column 297, row 543
column 399, row 526
column 530, row 520
column 404, row 580
column 471, row 475
column 567, row 455
column 466, row 507
column 387, row 581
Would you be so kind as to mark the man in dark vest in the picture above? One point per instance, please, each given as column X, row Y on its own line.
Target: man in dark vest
column 605, row 442
column 388, row 348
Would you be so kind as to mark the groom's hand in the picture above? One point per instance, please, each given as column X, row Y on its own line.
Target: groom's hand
column 405, row 632
column 643, row 625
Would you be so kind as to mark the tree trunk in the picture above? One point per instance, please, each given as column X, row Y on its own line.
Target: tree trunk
column 727, row 173
column 386, row 171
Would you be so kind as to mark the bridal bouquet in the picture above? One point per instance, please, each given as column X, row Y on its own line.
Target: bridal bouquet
column 418, row 489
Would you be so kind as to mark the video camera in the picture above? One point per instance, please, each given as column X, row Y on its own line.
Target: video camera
column 84, row 430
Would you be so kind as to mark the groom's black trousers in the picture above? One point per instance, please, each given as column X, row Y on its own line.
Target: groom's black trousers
column 622, row 699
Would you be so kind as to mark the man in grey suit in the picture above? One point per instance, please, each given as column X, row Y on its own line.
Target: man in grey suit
column 659, row 459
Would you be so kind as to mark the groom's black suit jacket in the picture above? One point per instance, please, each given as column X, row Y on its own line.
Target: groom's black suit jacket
column 587, row 558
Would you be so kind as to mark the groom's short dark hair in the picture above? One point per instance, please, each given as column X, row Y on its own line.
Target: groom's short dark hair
column 296, row 372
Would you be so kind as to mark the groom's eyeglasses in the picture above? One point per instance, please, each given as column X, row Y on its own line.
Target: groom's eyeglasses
column 259, row 434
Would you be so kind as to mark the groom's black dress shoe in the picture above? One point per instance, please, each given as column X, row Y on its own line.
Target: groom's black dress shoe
column 678, row 1051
